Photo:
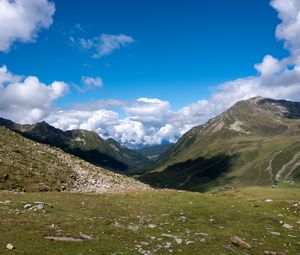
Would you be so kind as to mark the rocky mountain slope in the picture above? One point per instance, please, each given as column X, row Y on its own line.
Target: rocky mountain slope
column 255, row 142
column 31, row 166
column 84, row 144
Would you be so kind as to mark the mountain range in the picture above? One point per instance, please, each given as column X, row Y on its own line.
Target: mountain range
column 255, row 142
column 85, row 144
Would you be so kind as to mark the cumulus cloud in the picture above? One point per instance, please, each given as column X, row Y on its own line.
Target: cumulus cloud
column 20, row 20
column 269, row 66
column 26, row 99
column 289, row 29
column 105, row 44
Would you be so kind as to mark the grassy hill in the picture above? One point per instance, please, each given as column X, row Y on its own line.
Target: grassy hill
column 255, row 142
column 30, row 166
column 85, row 144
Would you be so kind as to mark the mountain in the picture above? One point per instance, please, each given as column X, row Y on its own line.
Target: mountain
column 255, row 142
column 85, row 144
column 153, row 152
column 26, row 165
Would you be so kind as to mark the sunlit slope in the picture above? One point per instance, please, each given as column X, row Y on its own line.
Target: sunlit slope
column 255, row 142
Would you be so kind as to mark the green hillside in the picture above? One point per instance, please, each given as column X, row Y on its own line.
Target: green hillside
column 85, row 144
column 255, row 142
column 30, row 166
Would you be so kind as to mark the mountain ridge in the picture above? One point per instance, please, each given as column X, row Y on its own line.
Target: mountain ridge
column 26, row 165
column 236, row 147
column 85, row 144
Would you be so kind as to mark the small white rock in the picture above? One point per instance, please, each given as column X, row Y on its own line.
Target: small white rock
column 288, row 226
column 151, row 226
column 9, row 246
column 275, row 233
column 178, row 240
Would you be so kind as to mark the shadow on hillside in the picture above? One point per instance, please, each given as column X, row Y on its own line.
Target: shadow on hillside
column 92, row 156
column 193, row 175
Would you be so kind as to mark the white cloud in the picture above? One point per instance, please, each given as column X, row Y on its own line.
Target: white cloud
column 110, row 43
column 85, row 43
column 26, row 99
column 269, row 66
column 90, row 83
column 20, row 20
column 105, row 44
column 289, row 29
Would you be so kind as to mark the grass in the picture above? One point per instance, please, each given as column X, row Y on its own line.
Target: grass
column 119, row 223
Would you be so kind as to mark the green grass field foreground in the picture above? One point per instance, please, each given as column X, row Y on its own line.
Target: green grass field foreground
column 152, row 222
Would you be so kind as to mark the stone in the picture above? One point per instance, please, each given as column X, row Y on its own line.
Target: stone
column 201, row 234
column 275, row 233
column 37, row 207
column 27, row 206
column 134, row 229
column 85, row 236
column 239, row 242
column 182, row 218
column 63, row 238
column 288, row 226
column 178, row 240
column 9, row 246
column 268, row 200
column 189, row 242
column 151, row 226
column 167, row 245
column 274, row 253
column 53, row 226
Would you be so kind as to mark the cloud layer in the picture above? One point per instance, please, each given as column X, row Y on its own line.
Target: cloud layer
column 20, row 20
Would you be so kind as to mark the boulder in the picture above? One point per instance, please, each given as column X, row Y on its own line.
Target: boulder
column 239, row 242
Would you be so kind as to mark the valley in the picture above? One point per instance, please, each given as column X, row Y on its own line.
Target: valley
column 203, row 195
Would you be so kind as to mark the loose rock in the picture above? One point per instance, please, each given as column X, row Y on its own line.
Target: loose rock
column 238, row 241
column 64, row 238
column 288, row 226
column 9, row 246
column 85, row 236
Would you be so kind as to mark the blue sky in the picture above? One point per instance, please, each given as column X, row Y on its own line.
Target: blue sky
column 182, row 48
column 143, row 72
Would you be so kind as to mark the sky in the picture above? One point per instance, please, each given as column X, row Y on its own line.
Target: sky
column 143, row 72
